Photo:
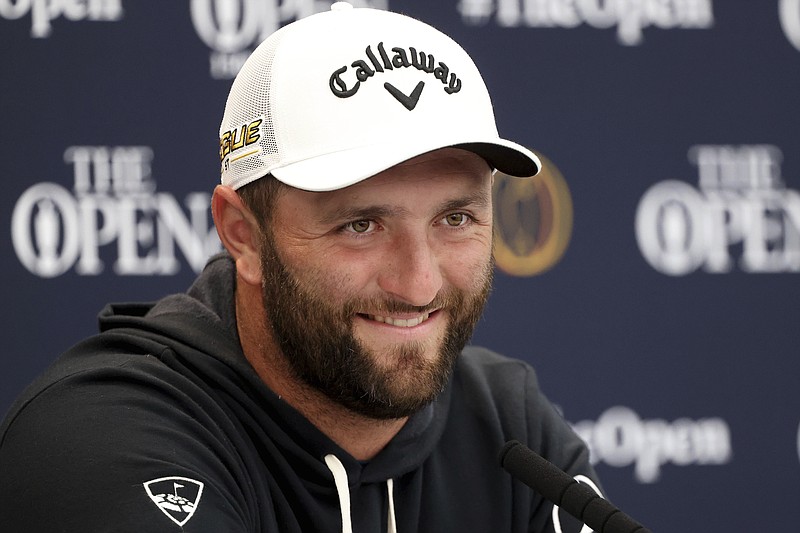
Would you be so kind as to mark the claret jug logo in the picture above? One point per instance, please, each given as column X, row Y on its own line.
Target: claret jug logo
column 741, row 208
column 630, row 17
column 233, row 28
column 43, row 12
column 401, row 58
column 112, row 213
column 533, row 221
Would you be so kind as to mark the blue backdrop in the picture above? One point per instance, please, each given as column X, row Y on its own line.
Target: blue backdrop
column 650, row 274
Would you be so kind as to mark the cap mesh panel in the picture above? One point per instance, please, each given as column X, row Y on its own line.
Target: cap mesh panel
column 250, row 100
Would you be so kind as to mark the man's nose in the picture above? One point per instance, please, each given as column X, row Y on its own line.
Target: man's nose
column 412, row 272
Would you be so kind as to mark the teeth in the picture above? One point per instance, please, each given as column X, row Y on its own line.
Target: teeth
column 401, row 322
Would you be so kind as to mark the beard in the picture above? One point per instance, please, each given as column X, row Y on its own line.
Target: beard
column 318, row 342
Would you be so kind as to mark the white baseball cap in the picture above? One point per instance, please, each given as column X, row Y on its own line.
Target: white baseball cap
column 340, row 96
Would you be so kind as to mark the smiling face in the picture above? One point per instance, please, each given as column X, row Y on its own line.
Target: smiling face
column 373, row 290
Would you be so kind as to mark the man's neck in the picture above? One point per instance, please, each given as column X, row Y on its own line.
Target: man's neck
column 360, row 436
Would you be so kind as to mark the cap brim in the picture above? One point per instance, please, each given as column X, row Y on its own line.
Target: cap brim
column 506, row 156
column 341, row 169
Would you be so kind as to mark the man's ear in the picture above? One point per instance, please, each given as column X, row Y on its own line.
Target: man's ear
column 238, row 230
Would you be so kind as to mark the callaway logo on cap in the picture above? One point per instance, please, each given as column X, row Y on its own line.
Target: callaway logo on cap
column 401, row 58
column 340, row 96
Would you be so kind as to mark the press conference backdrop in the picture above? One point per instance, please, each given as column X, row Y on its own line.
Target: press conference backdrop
column 651, row 273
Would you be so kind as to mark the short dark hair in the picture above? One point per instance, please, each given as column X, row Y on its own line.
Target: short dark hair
column 259, row 197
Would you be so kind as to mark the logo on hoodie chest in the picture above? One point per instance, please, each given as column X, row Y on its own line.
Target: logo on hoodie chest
column 176, row 497
column 345, row 82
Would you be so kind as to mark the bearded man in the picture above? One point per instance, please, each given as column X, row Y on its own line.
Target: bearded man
column 315, row 376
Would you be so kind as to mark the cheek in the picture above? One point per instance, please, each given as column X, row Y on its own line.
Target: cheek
column 467, row 267
column 337, row 277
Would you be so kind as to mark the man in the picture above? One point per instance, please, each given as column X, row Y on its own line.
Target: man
column 314, row 377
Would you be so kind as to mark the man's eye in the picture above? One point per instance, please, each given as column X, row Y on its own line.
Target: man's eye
column 360, row 226
column 456, row 219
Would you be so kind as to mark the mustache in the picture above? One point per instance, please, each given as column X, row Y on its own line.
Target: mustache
column 444, row 300
column 448, row 298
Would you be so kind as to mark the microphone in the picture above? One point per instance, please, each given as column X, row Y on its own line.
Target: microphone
column 560, row 488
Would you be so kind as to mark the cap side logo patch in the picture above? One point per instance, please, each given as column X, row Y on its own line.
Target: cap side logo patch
column 238, row 143
column 177, row 497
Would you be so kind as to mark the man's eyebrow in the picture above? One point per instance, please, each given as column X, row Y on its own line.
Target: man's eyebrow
column 362, row 213
column 477, row 200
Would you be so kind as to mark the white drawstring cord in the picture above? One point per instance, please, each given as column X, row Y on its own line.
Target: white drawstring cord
column 392, row 526
column 343, row 489
column 340, row 479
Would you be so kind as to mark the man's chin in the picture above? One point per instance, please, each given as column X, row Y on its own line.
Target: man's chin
column 406, row 360
column 391, row 345
column 402, row 401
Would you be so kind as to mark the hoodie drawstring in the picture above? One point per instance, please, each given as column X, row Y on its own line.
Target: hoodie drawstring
column 340, row 479
column 343, row 490
column 392, row 526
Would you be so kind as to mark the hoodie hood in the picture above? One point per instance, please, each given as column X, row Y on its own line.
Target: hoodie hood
column 199, row 327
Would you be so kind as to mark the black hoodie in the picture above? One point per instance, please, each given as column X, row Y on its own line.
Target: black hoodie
column 159, row 424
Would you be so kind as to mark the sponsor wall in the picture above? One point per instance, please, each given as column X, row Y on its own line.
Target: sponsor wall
column 651, row 273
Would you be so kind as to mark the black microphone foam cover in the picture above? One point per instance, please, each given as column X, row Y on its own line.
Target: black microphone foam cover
column 557, row 486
